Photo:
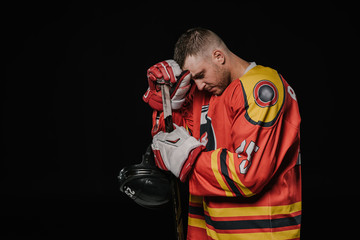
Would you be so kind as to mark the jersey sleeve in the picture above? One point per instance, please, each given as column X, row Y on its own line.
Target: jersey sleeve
column 265, row 144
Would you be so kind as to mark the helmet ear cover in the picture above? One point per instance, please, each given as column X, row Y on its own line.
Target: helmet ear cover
column 146, row 184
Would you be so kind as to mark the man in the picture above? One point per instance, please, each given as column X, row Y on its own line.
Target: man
column 236, row 141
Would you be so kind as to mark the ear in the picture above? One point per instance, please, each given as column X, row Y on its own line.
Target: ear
column 218, row 57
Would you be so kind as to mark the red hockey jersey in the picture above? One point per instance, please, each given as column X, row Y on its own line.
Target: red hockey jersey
column 247, row 185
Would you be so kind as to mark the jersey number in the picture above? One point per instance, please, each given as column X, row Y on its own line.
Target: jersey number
column 250, row 149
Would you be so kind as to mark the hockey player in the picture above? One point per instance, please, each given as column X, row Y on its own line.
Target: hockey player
column 236, row 141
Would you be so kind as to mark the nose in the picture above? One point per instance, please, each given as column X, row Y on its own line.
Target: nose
column 200, row 85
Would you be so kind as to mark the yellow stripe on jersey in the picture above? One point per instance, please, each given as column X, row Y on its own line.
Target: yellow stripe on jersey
column 235, row 177
column 253, row 211
column 264, row 95
column 196, row 222
column 217, row 174
column 280, row 235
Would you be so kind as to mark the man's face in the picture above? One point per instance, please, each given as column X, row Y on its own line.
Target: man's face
column 207, row 74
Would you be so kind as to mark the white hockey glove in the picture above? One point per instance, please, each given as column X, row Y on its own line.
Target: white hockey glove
column 176, row 151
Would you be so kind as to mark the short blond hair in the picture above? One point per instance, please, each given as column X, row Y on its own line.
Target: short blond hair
column 193, row 42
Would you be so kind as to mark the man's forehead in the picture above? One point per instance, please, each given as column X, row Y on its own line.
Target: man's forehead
column 193, row 64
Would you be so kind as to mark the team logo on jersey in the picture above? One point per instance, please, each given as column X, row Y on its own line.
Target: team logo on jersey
column 206, row 129
column 265, row 94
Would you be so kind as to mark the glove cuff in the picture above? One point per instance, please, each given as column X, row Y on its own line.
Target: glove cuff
column 154, row 100
column 176, row 104
column 189, row 163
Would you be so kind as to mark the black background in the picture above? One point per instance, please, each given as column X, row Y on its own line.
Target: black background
column 72, row 114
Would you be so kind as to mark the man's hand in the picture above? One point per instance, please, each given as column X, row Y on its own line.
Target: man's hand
column 163, row 72
column 176, row 151
column 167, row 72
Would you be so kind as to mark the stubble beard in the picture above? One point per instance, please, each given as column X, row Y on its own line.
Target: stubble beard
column 224, row 77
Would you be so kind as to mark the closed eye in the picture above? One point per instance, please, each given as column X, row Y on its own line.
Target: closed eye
column 199, row 75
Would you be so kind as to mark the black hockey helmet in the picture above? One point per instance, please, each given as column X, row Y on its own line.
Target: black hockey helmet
column 146, row 184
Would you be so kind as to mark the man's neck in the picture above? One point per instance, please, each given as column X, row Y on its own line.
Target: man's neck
column 237, row 67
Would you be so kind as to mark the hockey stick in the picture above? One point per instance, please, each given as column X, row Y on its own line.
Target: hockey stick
column 165, row 92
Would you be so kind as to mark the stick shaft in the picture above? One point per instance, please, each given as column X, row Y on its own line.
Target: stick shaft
column 165, row 92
